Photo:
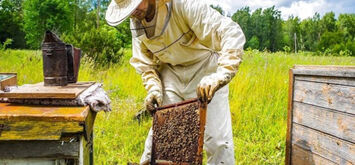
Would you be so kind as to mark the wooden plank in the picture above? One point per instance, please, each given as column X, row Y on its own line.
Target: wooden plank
column 326, row 146
column 37, row 130
column 34, row 161
column 337, row 97
column 7, row 79
column 301, row 156
column 289, row 119
column 89, row 125
column 338, row 124
column 17, row 112
column 39, row 91
column 347, row 81
column 330, row 71
column 85, row 152
column 38, row 149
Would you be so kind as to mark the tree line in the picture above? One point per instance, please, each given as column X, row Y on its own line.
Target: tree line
column 81, row 23
column 265, row 30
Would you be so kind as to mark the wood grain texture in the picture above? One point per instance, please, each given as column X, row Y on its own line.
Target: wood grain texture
column 330, row 71
column 341, row 125
column 301, row 156
column 332, row 148
column 25, row 122
column 10, row 79
column 85, row 152
column 203, row 113
column 18, row 112
column 89, row 125
column 289, row 119
column 347, row 81
column 37, row 130
column 38, row 149
column 337, row 97
column 39, row 91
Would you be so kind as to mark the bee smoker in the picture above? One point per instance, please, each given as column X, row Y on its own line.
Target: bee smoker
column 61, row 61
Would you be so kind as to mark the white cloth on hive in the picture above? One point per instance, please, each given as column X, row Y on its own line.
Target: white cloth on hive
column 95, row 97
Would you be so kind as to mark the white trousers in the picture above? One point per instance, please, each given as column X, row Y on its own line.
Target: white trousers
column 218, row 138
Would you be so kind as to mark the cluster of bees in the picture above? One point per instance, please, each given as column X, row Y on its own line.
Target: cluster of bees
column 176, row 133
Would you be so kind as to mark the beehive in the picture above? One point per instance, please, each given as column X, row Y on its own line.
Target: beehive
column 35, row 134
column 7, row 79
column 178, row 133
column 321, row 115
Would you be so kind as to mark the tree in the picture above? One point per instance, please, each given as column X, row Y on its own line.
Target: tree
column 254, row 43
column 310, row 33
column 265, row 25
column 42, row 15
column 346, row 24
column 273, row 29
column 290, row 28
column 11, row 23
column 327, row 22
column 242, row 17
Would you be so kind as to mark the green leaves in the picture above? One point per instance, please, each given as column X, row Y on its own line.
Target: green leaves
column 42, row 15
column 262, row 28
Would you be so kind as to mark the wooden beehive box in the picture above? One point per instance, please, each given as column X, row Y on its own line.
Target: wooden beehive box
column 321, row 115
column 45, row 134
column 178, row 131
column 7, row 79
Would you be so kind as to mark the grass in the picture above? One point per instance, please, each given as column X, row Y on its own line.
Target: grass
column 258, row 99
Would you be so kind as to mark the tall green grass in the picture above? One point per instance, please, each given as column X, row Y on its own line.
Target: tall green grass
column 258, row 99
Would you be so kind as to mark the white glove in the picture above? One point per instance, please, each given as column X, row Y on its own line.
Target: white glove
column 154, row 99
column 210, row 84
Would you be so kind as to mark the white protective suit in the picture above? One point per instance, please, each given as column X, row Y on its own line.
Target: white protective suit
column 191, row 41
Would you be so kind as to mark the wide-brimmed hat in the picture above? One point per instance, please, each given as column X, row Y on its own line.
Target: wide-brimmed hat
column 119, row 10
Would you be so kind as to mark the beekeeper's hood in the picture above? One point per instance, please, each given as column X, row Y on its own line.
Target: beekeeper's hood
column 119, row 10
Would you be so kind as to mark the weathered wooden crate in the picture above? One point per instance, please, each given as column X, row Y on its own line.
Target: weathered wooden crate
column 34, row 134
column 178, row 131
column 7, row 79
column 321, row 115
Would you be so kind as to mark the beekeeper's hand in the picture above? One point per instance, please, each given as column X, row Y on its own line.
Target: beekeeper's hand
column 210, row 84
column 154, row 99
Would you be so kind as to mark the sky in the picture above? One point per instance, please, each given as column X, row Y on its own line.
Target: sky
column 301, row 8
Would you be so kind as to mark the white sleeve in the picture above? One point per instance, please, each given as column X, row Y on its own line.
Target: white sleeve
column 217, row 32
column 145, row 64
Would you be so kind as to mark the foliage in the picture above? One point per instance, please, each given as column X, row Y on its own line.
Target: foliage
column 103, row 44
column 254, row 43
column 328, row 22
column 6, row 44
column 82, row 24
column 42, row 15
column 346, row 24
column 258, row 101
column 11, row 22
column 264, row 26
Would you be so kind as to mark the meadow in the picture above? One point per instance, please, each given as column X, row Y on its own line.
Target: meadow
column 258, row 99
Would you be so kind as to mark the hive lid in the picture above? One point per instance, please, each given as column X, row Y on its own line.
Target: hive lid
column 39, row 91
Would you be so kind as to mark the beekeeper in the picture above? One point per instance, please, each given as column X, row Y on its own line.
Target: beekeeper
column 185, row 49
